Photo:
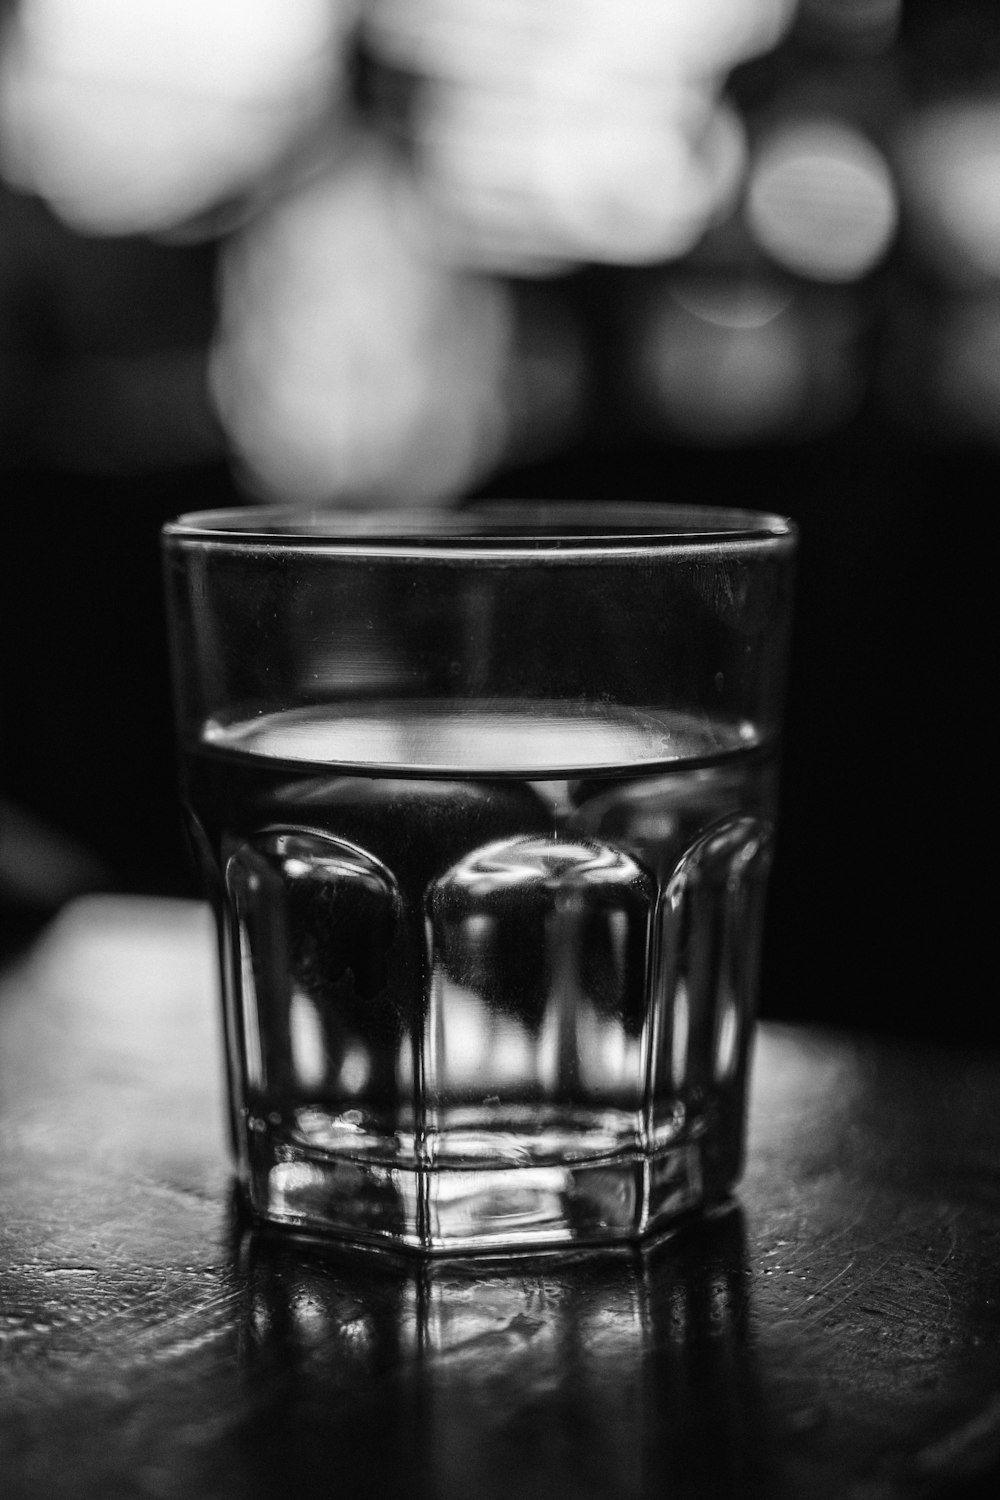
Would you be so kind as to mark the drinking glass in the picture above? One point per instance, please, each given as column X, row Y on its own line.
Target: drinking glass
column 484, row 801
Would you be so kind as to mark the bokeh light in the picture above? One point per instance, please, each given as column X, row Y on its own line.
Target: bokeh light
column 547, row 135
column 130, row 117
column 351, row 361
column 385, row 180
column 725, row 356
column 821, row 199
column 629, row 38
column 950, row 156
column 536, row 182
column 722, row 363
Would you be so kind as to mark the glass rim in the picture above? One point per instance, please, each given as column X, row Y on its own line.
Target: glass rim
column 487, row 528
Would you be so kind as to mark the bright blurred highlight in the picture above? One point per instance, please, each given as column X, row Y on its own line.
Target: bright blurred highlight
column 722, row 367
column 549, row 134
column 725, row 357
column 130, row 117
column 351, row 362
column 628, row 38
column 821, row 200
column 539, row 182
column 951, row 162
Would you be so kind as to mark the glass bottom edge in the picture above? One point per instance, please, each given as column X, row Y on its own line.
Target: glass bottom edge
column 448, row 1210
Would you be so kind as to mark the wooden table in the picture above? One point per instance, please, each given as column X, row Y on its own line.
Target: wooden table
column 836, row 1333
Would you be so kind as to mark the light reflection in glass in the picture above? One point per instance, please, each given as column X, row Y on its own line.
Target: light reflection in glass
column 309, row 1063
column 727, row 1038
column 680, row 1034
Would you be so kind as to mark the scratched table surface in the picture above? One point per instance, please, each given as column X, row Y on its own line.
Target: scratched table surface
column 835, row 1333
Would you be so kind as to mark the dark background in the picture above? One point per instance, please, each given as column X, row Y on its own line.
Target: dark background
column 878, row 916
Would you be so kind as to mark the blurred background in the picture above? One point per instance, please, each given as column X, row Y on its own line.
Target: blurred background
column 348, row 251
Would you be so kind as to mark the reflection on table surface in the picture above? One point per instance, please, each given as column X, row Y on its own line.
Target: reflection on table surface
column 834, row 1333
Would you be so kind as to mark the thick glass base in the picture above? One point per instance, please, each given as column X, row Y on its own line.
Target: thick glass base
column 455, row 1209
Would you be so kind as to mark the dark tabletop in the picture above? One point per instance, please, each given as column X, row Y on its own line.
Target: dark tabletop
column 836, row 1332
